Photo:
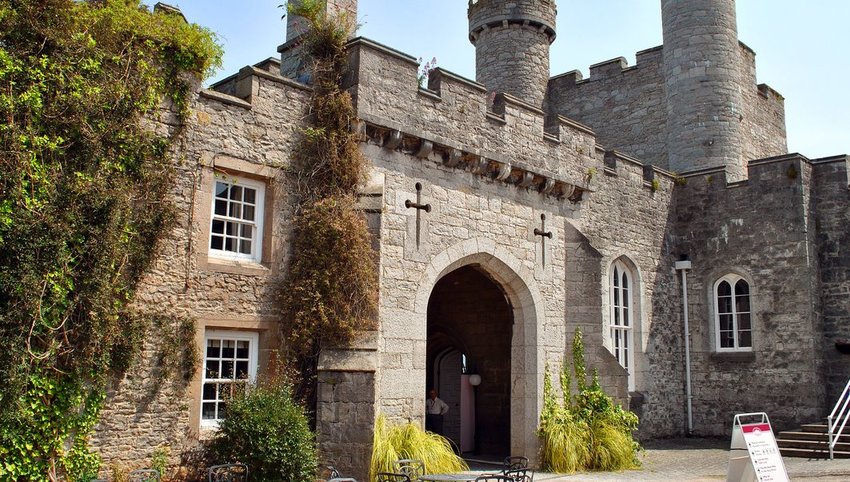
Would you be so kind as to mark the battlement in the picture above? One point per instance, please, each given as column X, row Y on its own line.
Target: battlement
column 608, row 69
column 474, row 129
column 535, row 14
column 626, row 106
column 777, row 172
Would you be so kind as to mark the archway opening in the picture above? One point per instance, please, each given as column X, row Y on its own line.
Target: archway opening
column 470, row 328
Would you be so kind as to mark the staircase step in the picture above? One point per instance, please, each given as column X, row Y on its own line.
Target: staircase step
column 815, row 427
column 813, row 454
column 798, row 435
column 811, row 445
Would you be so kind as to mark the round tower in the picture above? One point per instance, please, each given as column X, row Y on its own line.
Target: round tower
column 511, row 39
column 703, row 86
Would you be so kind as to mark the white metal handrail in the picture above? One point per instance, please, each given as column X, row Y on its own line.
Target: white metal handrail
column 839, row 416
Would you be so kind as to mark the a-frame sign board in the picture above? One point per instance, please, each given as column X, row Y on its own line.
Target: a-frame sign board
column 754, row 455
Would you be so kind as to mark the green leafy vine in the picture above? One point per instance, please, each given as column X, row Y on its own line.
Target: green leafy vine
column 84, row 184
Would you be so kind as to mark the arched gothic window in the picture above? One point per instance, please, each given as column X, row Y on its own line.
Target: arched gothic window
column 622, row 317
column 733, row 323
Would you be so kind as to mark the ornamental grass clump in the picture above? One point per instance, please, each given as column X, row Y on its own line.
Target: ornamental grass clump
column 410, row 441
column 587, row 431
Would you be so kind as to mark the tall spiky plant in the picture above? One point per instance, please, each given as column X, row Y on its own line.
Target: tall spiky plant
column 588, row 431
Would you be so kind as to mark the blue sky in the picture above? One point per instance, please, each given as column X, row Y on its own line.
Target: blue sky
column 801, row 46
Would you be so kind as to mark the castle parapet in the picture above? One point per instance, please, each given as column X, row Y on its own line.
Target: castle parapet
column 467, row 127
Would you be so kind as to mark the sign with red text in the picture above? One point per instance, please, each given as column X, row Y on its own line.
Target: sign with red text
column 754, row 455
column 764, row 453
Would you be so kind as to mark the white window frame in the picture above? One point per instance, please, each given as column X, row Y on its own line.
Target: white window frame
column 253, row 338
column 259, row 204
column 732, row 279
column 624, row 309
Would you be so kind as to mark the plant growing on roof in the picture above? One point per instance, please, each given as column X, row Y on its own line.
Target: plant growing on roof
column 425, row 71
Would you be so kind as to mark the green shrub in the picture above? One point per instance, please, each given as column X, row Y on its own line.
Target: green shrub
column 266, row 430
column 410, row 441
column 587, row 431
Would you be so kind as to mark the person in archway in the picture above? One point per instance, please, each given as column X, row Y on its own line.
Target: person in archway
column 434, row 411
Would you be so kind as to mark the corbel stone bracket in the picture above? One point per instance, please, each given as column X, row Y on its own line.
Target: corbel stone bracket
column 470, row 160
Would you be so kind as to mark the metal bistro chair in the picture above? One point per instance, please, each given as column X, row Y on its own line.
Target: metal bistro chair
column 514, row 462
column 228, row 473
column 520, row 475
column 493, row 478
column 391, row 477
column 329, row 472
column 412, row 468
column 144, row 475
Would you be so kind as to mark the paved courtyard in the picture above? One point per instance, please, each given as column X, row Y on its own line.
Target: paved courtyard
column 701, row 460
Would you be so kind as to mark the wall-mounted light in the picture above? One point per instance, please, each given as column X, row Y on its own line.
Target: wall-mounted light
column 475, row 380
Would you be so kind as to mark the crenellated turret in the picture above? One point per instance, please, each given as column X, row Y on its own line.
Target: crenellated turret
column 702, row 69
column 512, row 41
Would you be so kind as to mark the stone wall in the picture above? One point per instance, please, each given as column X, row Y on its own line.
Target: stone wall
column 229, row 135
column 832, row 217
column 763, row 125
column 628, row 218
column 476, row 218
column 626, row 107
column 760, row 229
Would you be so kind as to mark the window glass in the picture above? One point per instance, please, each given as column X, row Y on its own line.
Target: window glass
column 732, row 314
column 230, row 360
column 620, row 317
column 236, row 214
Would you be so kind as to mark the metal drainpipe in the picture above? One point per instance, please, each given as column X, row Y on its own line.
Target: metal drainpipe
column 683, row 267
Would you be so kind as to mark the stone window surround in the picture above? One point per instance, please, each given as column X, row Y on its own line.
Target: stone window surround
column 265, row 328
column 203, row 205
column 640, row 333
column 732, row 354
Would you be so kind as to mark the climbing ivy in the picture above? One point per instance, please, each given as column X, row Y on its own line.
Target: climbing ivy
column 83, row 205
column 331, row 290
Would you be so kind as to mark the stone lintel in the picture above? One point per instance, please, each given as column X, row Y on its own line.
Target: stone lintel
column 348, row 360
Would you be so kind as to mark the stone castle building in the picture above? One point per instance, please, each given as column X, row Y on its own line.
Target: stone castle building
column 654, row 206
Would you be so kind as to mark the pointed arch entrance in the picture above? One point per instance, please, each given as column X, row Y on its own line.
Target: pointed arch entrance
column 520, row 307
column 470, row 328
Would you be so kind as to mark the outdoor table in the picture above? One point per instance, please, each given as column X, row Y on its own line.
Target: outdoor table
column 449, row 477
